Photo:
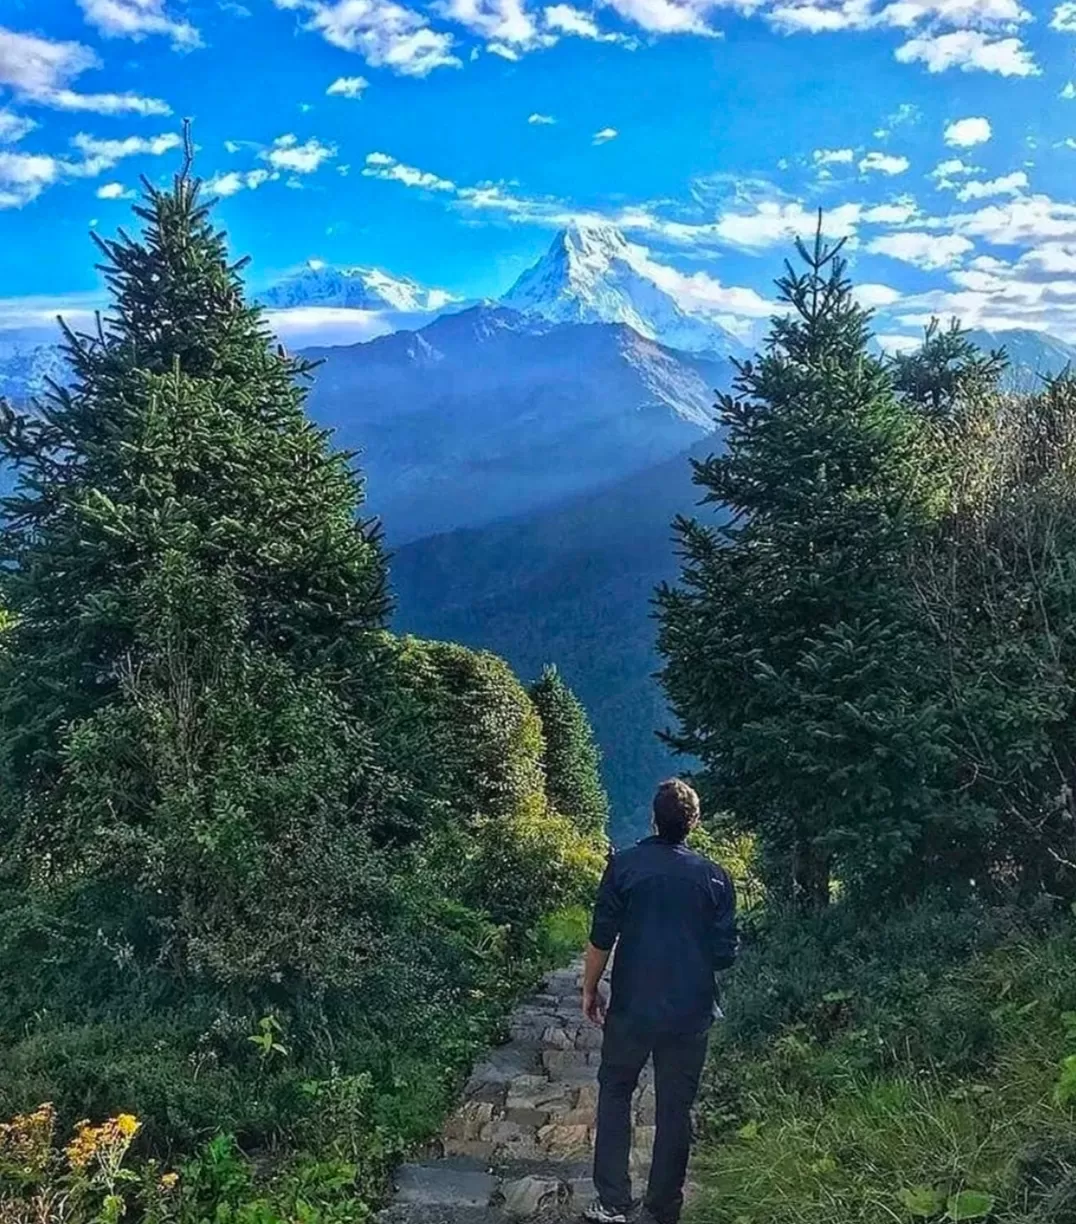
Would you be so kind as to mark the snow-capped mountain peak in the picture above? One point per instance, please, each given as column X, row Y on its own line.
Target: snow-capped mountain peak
column 355, row 288
column 592, row 274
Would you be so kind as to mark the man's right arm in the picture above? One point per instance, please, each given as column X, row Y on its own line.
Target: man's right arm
column 604, row 929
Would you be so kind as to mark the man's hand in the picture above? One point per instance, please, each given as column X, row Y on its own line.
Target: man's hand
column 594, row 1005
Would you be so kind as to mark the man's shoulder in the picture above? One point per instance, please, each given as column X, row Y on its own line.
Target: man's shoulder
column 714, row 873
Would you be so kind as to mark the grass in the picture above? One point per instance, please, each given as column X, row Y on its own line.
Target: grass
column 862, row 1121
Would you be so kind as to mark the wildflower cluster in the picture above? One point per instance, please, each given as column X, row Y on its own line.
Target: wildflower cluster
column 83, row 1182
column 107, row 1144
column 26, row 1144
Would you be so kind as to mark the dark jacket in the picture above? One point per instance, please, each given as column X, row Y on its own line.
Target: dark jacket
column 672, row 915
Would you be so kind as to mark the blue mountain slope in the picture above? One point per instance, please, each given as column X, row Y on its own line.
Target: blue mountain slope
column 570, row 584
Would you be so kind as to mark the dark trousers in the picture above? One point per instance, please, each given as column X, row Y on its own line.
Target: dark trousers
column 678, row 1063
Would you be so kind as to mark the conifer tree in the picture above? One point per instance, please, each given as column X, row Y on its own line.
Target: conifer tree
column 572, row 759
column 790, row 655
column 182, row 432
column 948, row 370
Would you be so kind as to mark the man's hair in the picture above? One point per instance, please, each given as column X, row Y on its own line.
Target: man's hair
column 676, row 809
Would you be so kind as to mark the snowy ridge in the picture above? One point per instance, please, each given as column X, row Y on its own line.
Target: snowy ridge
column 356, row 288
column 592, row 274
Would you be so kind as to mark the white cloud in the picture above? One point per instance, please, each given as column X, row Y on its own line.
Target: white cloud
column 830, row 16
column 136, row 19
column 833, row 157
column 566, row 19
column 288, row 154
column 348, row 87
column 891, row 342
column 773, row 223
column 385, row 34
column 905, row 113
column 14, row 127
column 382, row 166
column 23, row 177
column 507, row 22
column 928, row 251
column 969, row 50
column 1069, row 92
column 821, row 16
column 1008, row 184
column 946, row 171
column 1064, row 18
column 883, row 163
column 1023, row 222
column 966, row 133
column 235, row 181
column 874, row 297
column 39, row 70
column 605, row 135
column 704, row 294
column 962, row 13
column 666, row 16
column 114, row 191
column 899, row 212
column 540, row 120
column 100, row 155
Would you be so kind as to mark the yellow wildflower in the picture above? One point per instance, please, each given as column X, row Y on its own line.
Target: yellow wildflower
column 82, row 1149
column 169, row 1181
column 127, row 1125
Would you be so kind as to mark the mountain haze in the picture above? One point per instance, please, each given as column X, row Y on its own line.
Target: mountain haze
column 488, row 413
column 571, row 584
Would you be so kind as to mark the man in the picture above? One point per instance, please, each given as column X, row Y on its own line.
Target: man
column 672, row 915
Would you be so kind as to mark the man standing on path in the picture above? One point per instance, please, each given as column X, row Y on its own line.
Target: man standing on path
column 672, row 915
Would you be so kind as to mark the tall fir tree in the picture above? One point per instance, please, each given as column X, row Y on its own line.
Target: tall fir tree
column 572, row 759
column 790, row 654
column 182, row 431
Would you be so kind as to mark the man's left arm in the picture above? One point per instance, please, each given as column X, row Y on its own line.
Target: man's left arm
column 726, row 940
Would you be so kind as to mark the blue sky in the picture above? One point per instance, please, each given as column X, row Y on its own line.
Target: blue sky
column 446, row 141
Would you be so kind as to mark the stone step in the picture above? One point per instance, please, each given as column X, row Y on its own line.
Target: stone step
column 446, row 1182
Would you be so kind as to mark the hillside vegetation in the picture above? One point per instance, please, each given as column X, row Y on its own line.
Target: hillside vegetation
column 269, row 875
column 872, row 656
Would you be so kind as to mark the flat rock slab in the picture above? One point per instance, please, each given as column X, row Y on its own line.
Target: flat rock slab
column 443, row 1183
column 530, row 1195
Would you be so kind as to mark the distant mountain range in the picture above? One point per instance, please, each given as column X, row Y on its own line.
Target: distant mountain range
column 489, row 413
column 359, row 288
column 26, row 371
column 1032, row 355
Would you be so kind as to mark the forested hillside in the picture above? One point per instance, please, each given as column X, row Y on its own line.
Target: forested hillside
column 872, row 658
column 269, row 875
column 574, row 583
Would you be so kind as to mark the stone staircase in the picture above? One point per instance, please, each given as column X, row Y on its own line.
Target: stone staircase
column 520, row 1144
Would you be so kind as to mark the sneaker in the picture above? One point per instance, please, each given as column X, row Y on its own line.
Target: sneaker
column 598, row 1213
